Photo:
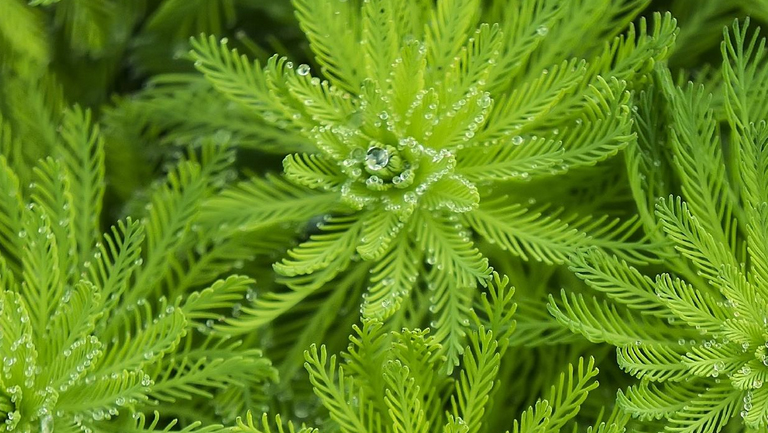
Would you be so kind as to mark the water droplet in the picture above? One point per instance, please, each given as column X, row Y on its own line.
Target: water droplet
column 542, row 30
column 485, row 101
column 376, row 158
column 303, row 69
column 517, row 140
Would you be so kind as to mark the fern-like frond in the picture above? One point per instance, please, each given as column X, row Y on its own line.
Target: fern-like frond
column 118, row 256
column 657, row 363
column 74, row 318
column 567, row 396
column 233, row 74
column 223, row 294
column 51, row 191
column 744, row 77
column 312, row 171
column 125, row 387
column 692, row 238
column 697, row 308
column 392, row 279
column 369, row 348
column 143, row 424
column 603, row 129
column 333, row 247
column 617, row 279
column 422, row 354
column 480, row 366
column 462, row 268
column 448, row 30
column 640, row 49
column 522, row 160
column 380, row 40
column 525, row 232
column 82, row 155
column 335, row 41
column 649, row 401
column 203, row 371
column 706, row 413
column 143, row 345
column 248, row 425
column 402, row 397
column 695, row 142
column 42, row 285
column 602, row 322
column 522, row 110
column 324, row 374
column 262, row 202
column 474, row 64
column 534, row 419
column 448, row 244
column 500, row 310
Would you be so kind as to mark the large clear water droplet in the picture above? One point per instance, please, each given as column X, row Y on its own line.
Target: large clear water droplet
column 376, row 158
column 302, row 69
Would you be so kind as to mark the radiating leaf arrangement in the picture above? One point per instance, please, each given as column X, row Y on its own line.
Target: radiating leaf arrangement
column 696, row 334
column 425, row 124
column 421, row 216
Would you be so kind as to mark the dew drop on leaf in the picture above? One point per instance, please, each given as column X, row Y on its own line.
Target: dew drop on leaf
column 376, row 158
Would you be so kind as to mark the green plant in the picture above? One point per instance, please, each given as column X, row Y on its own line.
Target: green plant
column 696, row 334
column 389, row 381
column 415, row 143
column 97, row 327
column 378, row 175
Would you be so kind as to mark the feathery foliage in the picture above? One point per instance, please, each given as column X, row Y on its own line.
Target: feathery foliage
column 694, row 335
column 425, row 119
column 378, row 174
column 389, row 381
column 90, row 335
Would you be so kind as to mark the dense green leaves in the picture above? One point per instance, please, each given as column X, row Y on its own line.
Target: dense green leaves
column 715, row 225
column 187, row 219
column 86, row 336
column 411, row 132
